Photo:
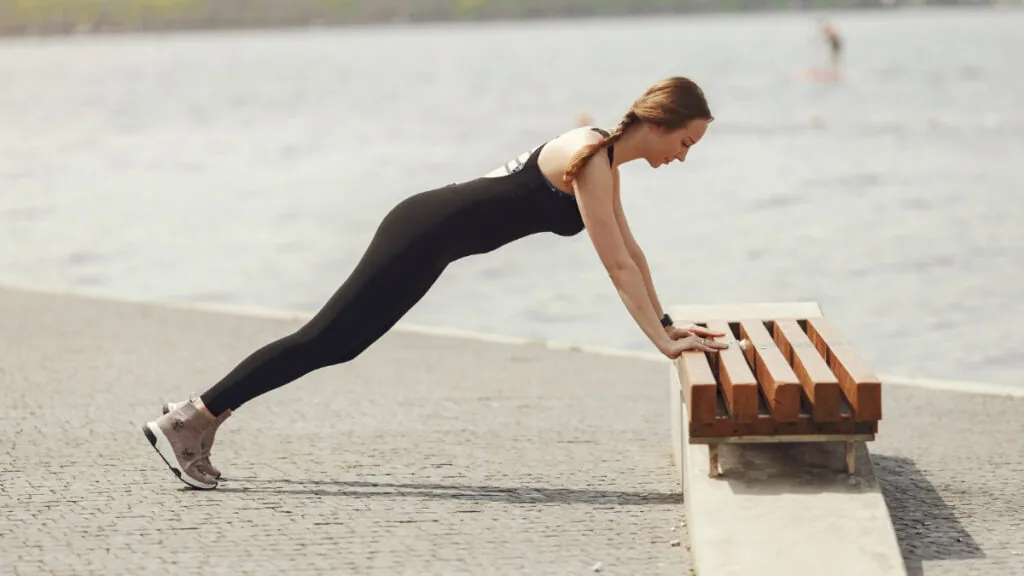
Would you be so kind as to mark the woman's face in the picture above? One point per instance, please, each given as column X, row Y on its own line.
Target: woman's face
column 665, row 146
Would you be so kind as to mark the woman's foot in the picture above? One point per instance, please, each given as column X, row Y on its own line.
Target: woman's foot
column 207, row 440
column 178, row 437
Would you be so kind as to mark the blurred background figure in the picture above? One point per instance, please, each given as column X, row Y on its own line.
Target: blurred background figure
column 834, row 42
column 832, row 70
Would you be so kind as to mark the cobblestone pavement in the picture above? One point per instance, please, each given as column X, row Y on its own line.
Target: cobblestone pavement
column 426, row 455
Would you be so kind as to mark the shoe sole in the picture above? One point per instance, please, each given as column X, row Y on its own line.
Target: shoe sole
column 163, row 448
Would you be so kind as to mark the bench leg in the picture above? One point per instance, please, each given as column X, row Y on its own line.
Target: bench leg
column 713, row 468
column 851, row 453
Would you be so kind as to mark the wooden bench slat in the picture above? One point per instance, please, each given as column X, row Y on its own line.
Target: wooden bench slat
column 776, row 378
column 817, row 379
column 738, row 383
column 766, row 425
column 858, row 382
column 702, row 433
column 699, row 387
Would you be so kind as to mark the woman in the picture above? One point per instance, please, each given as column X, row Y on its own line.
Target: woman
column 426, row 232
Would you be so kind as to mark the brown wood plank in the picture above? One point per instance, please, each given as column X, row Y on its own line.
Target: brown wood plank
column 738, row 383
column 768, row 427
column 699, row 387
column 778, row 382
column 817, row 379
column 765, row 425
column 858, row 382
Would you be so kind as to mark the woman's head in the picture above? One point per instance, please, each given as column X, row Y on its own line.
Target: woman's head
column 675, row 115
column 671, row 116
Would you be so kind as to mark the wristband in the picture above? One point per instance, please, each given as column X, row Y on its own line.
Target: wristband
column 666, row 321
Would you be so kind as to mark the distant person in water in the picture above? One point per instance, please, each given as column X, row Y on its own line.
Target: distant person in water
column 835, row 44
column 562, row 187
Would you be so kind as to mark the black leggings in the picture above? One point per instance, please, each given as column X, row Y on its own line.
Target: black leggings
column 396, row 271
column 413, row 245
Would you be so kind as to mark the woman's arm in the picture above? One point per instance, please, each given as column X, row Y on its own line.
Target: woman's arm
column 633, row 248
column 595, row 194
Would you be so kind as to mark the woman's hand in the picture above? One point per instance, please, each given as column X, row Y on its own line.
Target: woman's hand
column 673, row 348
column 679, row 333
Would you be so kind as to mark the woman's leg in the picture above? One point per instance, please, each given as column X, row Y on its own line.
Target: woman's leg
column 410, row 250
column 366, row 306
column 395, row 272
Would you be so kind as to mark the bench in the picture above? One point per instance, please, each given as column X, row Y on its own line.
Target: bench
column 760, row 434
column 784, row 378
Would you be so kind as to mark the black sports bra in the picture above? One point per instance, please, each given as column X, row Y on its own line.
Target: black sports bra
column 611, row 159
column 611, row 149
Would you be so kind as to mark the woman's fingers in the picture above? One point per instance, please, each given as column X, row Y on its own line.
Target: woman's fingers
column 707, row 345
column 701, row 331
column 712, row 347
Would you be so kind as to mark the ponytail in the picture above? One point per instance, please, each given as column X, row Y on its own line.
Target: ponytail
column 584, row 154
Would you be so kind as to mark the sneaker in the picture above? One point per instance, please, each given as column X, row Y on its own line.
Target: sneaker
column 178, row 437
column 207, row 441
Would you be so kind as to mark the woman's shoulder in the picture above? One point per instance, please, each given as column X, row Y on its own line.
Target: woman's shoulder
column 568, row 143
column 559, row 153
column 578, row 137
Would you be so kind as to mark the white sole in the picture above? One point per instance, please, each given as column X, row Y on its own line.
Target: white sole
column 163, row 448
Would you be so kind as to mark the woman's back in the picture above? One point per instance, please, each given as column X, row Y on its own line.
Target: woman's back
column 555, row 156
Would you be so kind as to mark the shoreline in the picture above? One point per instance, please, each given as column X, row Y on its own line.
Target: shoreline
column 269, row 313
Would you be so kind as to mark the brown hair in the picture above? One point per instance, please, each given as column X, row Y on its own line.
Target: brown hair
column 670, row 104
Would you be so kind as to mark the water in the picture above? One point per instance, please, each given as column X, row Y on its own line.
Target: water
column 252, row 168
